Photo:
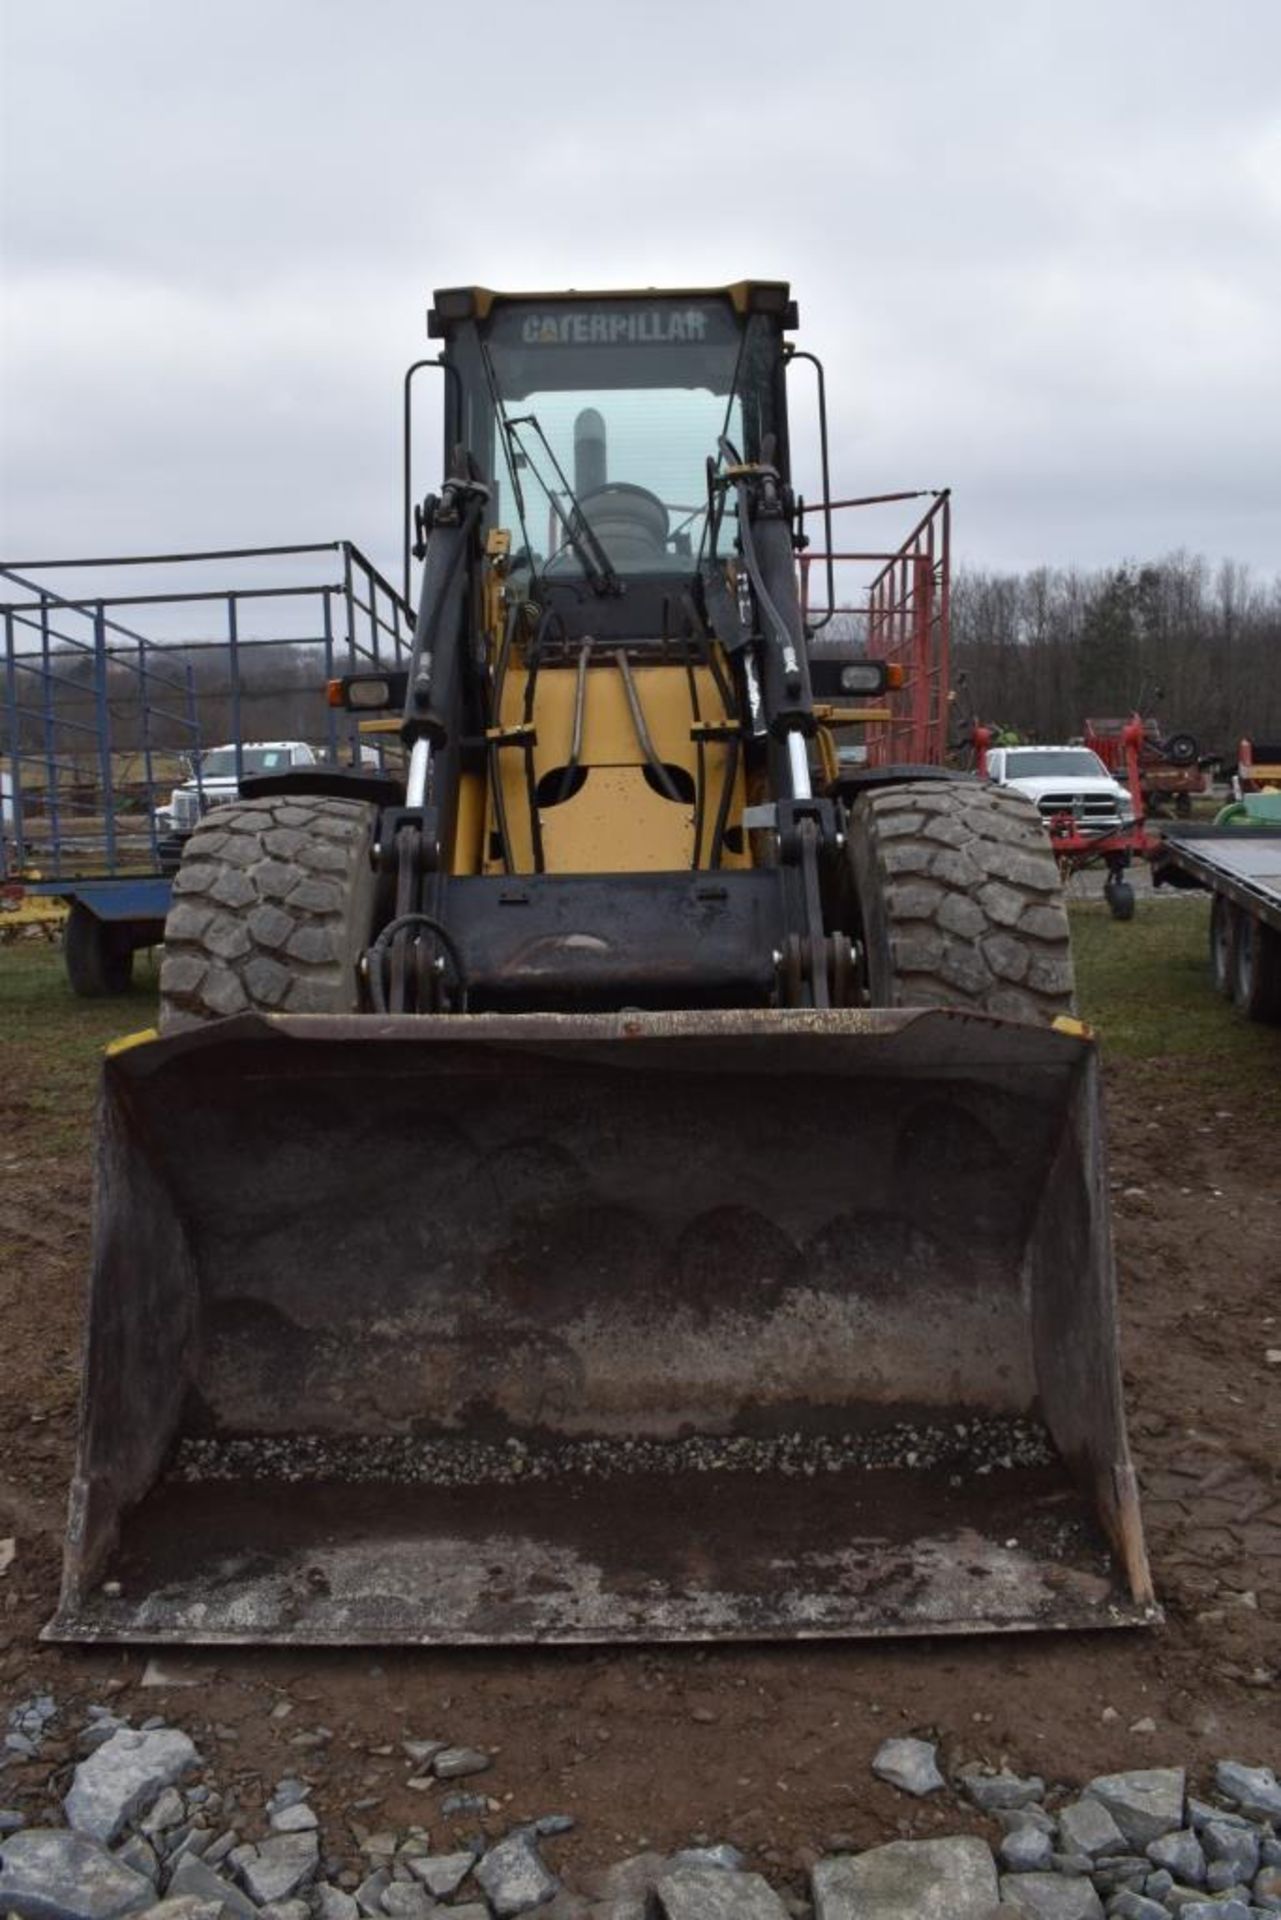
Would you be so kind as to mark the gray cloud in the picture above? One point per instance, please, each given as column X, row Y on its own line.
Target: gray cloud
column 1037, row 246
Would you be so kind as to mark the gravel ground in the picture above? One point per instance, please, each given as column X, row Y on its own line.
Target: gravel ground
column 968, row 1447
column 110, row 1819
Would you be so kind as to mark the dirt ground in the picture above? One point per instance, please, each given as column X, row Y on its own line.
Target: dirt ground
column 767, row 1746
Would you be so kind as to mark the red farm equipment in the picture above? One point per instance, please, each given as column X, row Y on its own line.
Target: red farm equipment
column 1170, row 771
column 1258, row 766
column 902, row 616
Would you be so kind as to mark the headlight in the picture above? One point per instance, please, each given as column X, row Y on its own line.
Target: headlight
column 863, row 676
column 1125, row 807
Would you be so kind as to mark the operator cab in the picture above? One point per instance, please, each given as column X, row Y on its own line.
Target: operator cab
column 592, row 419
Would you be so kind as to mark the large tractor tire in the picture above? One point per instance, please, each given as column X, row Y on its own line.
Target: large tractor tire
column 99, row 963
column 960, row 902
column 273, row 906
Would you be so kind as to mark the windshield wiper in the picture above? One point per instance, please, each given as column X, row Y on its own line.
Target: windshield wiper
column 580, row 533
column 586, row 544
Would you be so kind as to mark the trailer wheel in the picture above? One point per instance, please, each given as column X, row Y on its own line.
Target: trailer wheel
column 1256, row 970
column 1222, row 940
column 98, row 965
column 1181, row 748
column 273, row 906
column 1119, row 895
column 959, row 902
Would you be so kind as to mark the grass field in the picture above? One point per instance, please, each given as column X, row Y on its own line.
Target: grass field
column 53, row 1042
column 1144, row 985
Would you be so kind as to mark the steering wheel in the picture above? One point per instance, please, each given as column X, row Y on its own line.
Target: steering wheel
column 629, row 502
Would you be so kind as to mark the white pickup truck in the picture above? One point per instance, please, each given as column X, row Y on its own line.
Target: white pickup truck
column 218, row 780
column 1064, row 780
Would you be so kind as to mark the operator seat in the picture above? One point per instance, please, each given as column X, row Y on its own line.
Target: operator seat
column 631, row 524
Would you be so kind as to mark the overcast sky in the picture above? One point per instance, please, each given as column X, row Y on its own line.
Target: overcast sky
column 1036, row 242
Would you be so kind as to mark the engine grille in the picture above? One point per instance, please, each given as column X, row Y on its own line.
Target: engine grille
column 1092, row 809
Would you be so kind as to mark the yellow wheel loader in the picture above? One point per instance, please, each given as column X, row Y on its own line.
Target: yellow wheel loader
column 628, row 1177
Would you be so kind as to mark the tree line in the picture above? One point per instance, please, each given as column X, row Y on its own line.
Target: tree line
column 1043, row 649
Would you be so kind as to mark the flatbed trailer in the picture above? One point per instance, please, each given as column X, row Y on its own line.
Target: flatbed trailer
column 1239, row 864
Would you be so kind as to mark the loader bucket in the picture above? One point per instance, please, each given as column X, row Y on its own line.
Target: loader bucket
column 574, row 1328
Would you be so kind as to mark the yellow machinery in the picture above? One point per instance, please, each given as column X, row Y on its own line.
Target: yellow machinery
column 629, row 1176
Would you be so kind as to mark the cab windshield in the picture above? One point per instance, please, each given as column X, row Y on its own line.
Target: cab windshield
column 221, row 762
column 1053, row 763
column 605, row 412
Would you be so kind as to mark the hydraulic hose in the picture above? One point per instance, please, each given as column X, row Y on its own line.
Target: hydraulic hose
column 664, row 779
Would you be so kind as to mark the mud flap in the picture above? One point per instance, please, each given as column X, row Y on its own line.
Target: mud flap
column 589, row 1328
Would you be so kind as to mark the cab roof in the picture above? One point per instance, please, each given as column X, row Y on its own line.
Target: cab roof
column 452, row 305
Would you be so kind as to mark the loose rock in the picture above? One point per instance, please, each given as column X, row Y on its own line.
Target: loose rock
column 298, row 1818
column 514, row 1876
column 280, row 1866
column 369, row 1894
column 1235, row 1845
column 1267, row 1889
column 456, row 1763
column 47, row 1873
column 289, row 1792
column 1145, row 1803
column 911, row 1765
column 333, row 1904
column 1254, row 1789
column 625, row 1887
column 402, row 1901
column 1014, row 1818
column 194, row 1877
column 1087, row 1827
column 996, row 1790
column 1119, row 1873
column 717, row 1893
column 1026, row 1850
column 1181, row 1854
column 173, row 1673
column 908, row 1880
column 464, row 1803
column 137, row 1852
column 550, row 1824
column 1049, row 1896
column 125, row 1775
column 441, row 1873
column 168, row 1811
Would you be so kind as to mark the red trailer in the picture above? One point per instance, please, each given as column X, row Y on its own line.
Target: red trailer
column 902, row 611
